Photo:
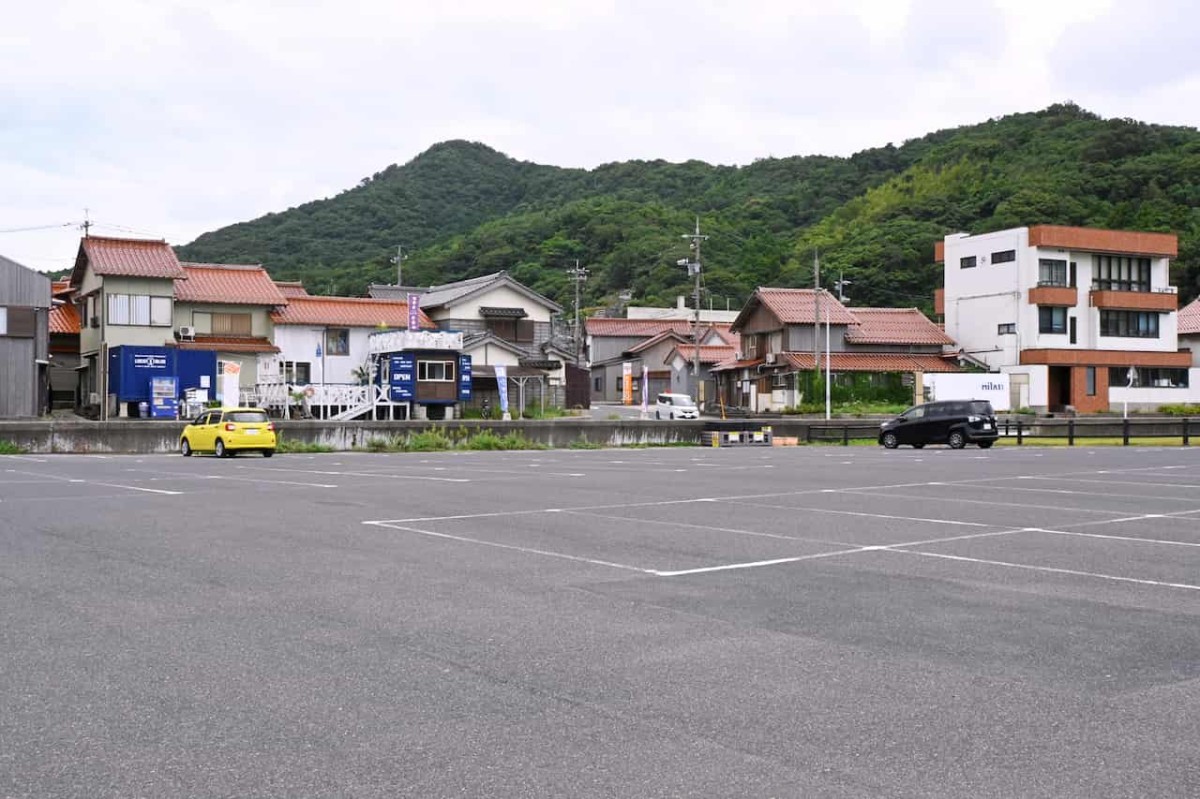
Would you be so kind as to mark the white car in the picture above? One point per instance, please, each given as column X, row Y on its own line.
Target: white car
column 675, row 406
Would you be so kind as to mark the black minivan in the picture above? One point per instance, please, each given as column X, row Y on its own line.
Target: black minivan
column 955, row 422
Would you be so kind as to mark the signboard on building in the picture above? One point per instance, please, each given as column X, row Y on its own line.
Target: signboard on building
column 464, row 378
column 402, row 377
column 414, row 311
column 990, row 386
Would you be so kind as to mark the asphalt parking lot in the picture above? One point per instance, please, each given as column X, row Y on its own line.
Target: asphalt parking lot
column 812, row 622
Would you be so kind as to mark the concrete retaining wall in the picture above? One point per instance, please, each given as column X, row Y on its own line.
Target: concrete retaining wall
column 145, row 436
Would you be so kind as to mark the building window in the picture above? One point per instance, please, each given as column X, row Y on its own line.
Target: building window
column 1007, row 329
column 337, row 341
column 597, row 385
column 139, row 309
column 297, row 372
column 1115, row 273
column 966, row 262
column 1090, row 380
column 229, row 324
column 1129, row 324
column 750, row 345
column 435, row 371
column 1052, row 319
column 1149, row 377
column 1004, row 257
column 1052, row 272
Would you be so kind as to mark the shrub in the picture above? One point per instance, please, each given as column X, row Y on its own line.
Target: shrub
column 1180, row 410
column 9, row 448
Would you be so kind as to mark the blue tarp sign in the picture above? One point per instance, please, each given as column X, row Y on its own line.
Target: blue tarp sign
column 403, row 377
column 464, row 378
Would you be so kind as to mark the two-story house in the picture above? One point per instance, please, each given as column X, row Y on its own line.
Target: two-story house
column 616, row 347
column 1080, row 318
column 24, row 340
column 790, row 338
column 124, row 290
column 227, row 309
column 64, row 346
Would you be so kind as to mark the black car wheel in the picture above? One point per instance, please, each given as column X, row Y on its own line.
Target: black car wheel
column 890, row 441
column 918, row 446
column 185, row 449
column 268, row 453
column 986, row 444
column 219, row 450
column 957, row 440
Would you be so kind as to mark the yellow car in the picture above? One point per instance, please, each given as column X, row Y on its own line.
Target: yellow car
column 225, row 432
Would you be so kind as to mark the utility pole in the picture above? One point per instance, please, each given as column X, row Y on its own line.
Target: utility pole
column 816, row 317
column 87, row 224
column 693, row 267
column 578, row 275
column 398, row 260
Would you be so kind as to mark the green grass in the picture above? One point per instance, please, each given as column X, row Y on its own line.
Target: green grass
column 436, row 439
column 583, row 443
column 9, row 448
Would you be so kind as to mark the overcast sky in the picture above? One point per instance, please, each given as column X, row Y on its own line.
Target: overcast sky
column 169, row 119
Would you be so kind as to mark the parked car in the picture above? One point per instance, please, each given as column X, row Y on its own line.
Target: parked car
column 226, row 432
column 675, row 406
column 956, row 423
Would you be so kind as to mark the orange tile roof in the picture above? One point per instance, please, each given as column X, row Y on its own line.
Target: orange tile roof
column 128, row 258
column 894, row 326
column 600, row 326
column 61, row 285
column 227, row 344
column 872, row 362
column 346, row 312
column 709, row 353
column 1189, row 319
column 233, row 284
column 797, row 306
column 64, row 319
column 291, row 288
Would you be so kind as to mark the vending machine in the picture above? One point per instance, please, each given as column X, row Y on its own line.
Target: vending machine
column 164, row 397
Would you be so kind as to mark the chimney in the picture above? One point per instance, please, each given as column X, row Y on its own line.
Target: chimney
column 681, row 302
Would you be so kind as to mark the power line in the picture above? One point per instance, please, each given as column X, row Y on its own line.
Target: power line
column 36, row 227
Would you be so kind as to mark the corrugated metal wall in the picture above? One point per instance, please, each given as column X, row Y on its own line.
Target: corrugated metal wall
column 21, row 287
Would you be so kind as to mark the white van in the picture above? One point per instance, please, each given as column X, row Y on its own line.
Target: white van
column 675, row 406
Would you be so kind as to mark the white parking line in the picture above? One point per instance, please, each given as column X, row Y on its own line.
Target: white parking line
column 1048, row 569
column 362, row 474
column 864, row 514
column 526, row 550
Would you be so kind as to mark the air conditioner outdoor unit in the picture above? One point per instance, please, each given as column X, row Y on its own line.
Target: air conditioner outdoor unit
column 187, row 334
column 95, row 321
column 737, row 355
column 769, row 358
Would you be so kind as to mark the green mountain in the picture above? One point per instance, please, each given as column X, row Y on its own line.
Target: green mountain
column 463, row 209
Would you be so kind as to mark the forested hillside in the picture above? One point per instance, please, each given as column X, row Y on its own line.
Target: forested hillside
column 463, row 209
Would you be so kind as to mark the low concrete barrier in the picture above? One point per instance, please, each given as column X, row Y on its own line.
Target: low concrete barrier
column 148, row 436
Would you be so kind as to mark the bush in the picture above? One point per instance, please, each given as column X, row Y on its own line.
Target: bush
column 435, row 439
column 1179, row 410
column 9, row 448
column 284, row 445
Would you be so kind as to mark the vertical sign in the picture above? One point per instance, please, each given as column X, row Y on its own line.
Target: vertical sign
column 645, row 388
column 464, row 378
column 414, row 311
column 627, row 383
column 502, row 386
column 401, row 381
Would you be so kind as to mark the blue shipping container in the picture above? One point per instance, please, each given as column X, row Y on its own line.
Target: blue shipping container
column 130, row 369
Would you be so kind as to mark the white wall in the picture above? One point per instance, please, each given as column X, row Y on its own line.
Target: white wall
column 299, row 343
column 498, row 297
column 980, row 298
column 990, row 386
column 1143, row 396
column 1038, row 393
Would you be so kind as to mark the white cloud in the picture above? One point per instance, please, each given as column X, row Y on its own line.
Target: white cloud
column 179, row 117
